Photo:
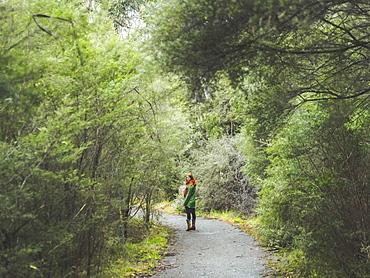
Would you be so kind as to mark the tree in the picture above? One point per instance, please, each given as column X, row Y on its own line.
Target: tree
column 302, row 66
column 81, row 139
column 316, row 192
column 291, row 36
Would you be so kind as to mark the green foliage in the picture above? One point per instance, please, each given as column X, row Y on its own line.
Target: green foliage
column 85, row 136
column 195, row 37
column 301, row 69
column 141, row 254
column 313, row 200
column 89, row 129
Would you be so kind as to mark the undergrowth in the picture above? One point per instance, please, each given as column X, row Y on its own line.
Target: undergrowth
column 141, row 252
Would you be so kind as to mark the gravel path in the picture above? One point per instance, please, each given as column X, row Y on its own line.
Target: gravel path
column 215, row 249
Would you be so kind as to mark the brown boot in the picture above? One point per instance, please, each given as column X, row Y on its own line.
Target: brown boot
column 189, row 226
column 192, row 225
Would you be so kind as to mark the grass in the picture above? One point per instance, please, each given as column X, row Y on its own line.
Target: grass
column 246, row 224
column 142, row 251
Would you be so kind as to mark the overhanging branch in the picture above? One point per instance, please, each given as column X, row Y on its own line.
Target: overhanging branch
column 334, row 96
column 48, row 16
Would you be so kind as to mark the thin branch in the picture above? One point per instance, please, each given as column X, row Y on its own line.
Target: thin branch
column 48, row 16
column 302, row 51
column 357, row 42
column 335, row 96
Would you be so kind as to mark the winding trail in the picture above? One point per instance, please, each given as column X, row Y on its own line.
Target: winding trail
column 215, row 249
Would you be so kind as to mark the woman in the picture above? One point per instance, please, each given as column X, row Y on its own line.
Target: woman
column 189, row 202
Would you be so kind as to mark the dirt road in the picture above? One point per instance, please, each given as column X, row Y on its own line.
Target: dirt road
column 215, row 249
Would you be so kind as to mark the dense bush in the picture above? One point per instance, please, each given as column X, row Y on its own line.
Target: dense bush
column 85, row 136
column 302, row 67
column 223, row 185
column 316, row 195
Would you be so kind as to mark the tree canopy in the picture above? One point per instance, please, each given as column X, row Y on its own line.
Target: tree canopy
column 315, row 43
column 298, row 71
column 105, row 105
column 85, row 138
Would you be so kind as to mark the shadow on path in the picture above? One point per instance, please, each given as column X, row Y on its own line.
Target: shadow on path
column 215, row 249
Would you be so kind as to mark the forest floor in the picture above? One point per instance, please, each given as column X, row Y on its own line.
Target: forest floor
column 216, row 249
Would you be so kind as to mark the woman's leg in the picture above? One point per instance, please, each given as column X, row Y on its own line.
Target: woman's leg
column 188, row 213
column 188, row 217
column 193, row 220
column 192, row 212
